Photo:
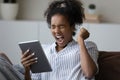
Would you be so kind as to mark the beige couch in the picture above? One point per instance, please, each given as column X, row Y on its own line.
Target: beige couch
column 109, row 66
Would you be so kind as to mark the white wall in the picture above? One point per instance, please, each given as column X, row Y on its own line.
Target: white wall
column 13, row 32
column 106, row 36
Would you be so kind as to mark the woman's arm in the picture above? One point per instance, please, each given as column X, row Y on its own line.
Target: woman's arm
column 27, row 60
column 87, row 64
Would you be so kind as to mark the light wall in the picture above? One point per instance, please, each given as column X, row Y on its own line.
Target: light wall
column 108, row 9
column 11, row 32
column 34, row 9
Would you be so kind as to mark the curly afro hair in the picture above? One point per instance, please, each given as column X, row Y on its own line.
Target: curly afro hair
column 71, row 9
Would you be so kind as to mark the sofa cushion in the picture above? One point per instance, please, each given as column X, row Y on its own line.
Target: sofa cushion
column 109, row 66
column 7, row 71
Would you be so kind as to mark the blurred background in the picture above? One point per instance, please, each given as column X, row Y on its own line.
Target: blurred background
column 102, row 21
column 34, row 9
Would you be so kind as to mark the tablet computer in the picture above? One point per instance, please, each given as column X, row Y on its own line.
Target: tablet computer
column 42, row 64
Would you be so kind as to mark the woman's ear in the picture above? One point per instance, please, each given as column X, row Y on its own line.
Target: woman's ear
column 73, row 28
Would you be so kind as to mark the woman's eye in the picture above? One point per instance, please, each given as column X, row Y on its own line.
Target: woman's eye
column 62, row 26
column 52, row 27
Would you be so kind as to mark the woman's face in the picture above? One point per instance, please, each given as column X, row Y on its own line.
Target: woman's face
column 61, row 30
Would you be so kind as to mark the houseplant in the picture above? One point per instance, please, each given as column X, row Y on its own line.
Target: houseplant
column 91, row 8
column 9, row 9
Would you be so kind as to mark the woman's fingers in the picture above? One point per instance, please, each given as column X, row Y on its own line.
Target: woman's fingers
column 27, row 65
column 84, row 33
column 28, row 58
column 25, row 53
column 29, row 62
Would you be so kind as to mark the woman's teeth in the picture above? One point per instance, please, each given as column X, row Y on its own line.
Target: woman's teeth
column 60, row 39
column 58, row 36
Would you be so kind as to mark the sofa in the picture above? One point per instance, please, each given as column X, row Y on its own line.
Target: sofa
column 109, row 65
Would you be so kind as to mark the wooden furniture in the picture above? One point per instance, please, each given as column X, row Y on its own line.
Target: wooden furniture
column 92, row 18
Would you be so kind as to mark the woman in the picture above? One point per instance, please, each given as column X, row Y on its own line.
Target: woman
column 70, row 60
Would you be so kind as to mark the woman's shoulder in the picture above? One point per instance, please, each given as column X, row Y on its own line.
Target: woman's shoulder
column 87, row 43
column 90, row 44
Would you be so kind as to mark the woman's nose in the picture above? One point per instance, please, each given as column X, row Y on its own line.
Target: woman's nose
column 57, row 30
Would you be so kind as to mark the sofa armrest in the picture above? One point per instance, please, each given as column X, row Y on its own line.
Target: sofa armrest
column 109, row 66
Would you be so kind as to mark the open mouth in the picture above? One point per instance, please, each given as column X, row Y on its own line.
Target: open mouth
column 59, row 39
